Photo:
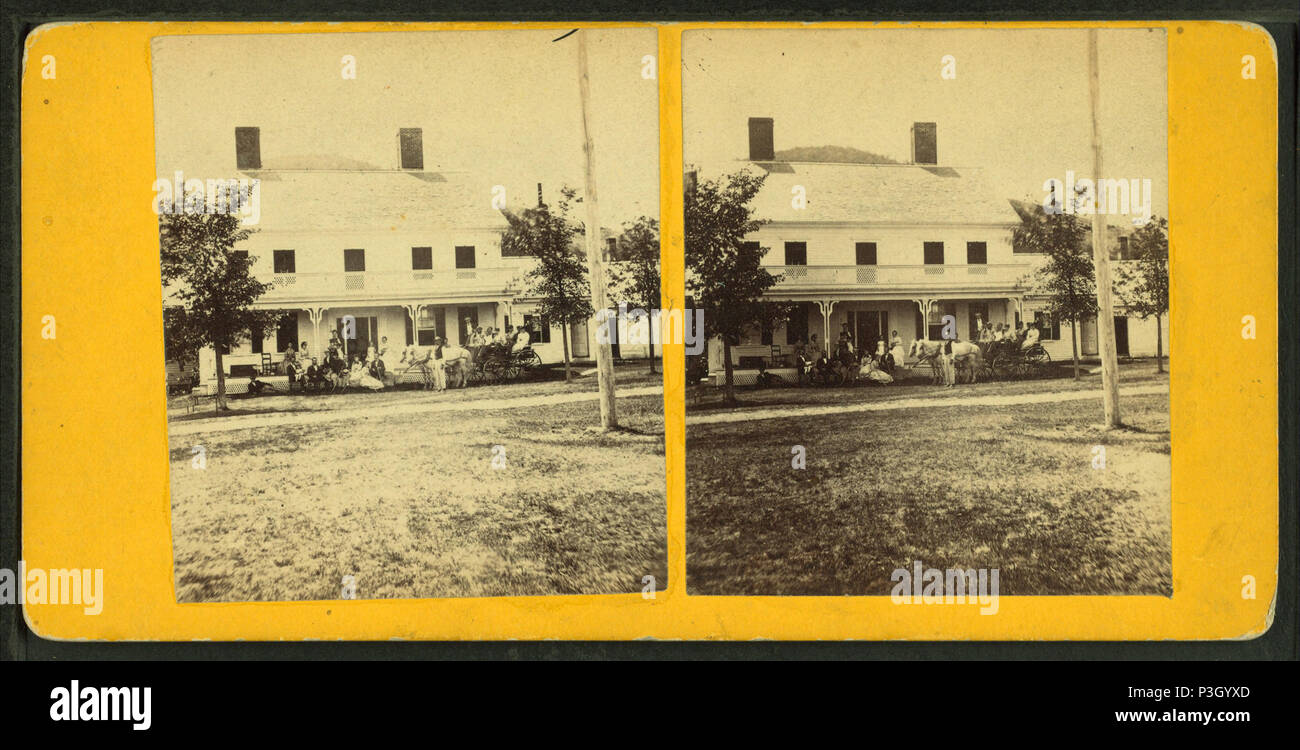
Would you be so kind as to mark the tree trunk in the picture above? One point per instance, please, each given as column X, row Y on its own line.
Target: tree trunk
column 220, row 400
column 1160, row 365
column 729, row 389
column 564, row 334
column 1074, row 347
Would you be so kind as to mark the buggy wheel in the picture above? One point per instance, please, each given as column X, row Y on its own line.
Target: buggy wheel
column 1038, row 360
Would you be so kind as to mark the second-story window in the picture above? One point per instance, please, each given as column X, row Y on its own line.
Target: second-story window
column 464, row 256
column 796, row 253
column 354, row 260
column 421, row 259
column 977, row 253
column 866, row 253
column 934, row 253
column 284, row 261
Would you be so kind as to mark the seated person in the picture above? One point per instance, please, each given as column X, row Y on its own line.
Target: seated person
column 314, row 377
column 255, row 386
column 522, row 340
column 1031, row 338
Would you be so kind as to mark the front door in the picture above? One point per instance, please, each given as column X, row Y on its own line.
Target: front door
column 366, row 332
column 578, row 340
column 872, row 326
column 1121, row 336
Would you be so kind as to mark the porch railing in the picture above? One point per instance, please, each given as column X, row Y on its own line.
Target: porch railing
column 943, row 275
column 360, row 284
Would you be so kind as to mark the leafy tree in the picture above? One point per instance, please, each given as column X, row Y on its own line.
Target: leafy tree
column 1143, row 284
column 212, row 283
column 559, row 278
column 1067, row 278
column 635, row 272
column 725, row 274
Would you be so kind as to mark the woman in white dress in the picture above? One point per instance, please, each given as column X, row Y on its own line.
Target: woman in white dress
column 360, row 376
column 896, row 349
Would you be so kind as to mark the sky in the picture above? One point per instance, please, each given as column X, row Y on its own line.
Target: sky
column 502, row 105
column 1018, row 107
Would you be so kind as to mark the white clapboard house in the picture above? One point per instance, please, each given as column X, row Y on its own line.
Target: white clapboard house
column 886, row 247
column 403, row 252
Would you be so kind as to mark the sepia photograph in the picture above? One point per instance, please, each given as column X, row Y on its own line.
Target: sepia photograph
column 933, row 267
column 396, row 270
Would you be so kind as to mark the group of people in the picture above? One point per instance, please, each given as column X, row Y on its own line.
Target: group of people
column 509, row 338
column 383, row 365
column 991, row 336
column 877, row 362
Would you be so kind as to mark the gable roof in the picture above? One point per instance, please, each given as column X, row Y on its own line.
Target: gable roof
column 880, row 194
column 337, row 200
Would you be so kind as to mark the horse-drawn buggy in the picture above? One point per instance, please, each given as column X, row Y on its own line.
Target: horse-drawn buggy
column 496, row 363
column 1012, row 359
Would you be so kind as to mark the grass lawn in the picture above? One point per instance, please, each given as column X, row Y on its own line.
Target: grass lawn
column 411, row 506
column 1008, row 487
column 916, row 383
column 549, row 382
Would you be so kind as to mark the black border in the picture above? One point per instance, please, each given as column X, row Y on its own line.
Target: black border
column 1278, row 17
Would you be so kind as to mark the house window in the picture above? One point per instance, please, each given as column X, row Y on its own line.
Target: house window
column 421, row 259
column 464, row 256
column 977, row 253
column 539, row 329
column 866, row 252
column 936, row 321
column 1123, row 249
column 428, row 325
column 766, row 332
column 354, row 261
column 934, row 253
column 1049, row 328
column 796, row 253
column 796, row 328
column 255, row 340
column 284, row 261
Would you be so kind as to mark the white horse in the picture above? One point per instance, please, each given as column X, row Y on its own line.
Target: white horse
column 458, row 362
column 946, row 356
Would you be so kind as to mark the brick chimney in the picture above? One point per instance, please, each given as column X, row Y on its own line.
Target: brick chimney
column 248, row 148
column 925, row 143
column 760, row 139
column 411, row 144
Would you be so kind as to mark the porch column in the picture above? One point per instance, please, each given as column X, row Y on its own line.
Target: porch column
column 1016, row 305
column 504, row 310
column 413, row 311
column 316, row 315
column 827, row 306
column 924, row 304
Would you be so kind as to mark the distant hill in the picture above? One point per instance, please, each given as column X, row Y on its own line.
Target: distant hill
column 833, row 154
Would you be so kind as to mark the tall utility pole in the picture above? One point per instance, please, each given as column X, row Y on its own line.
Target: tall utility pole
column 596, row 271
column 1100, row 256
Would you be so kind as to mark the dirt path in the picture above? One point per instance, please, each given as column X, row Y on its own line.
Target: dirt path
column 912, row 403
column 254, row 421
